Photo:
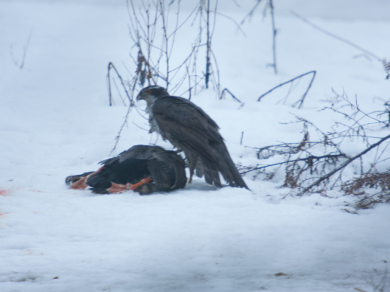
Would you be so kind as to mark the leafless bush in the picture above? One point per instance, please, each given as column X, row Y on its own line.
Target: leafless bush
column 369, row 189
column 318, row 166
column 269, row 5
column 154, row 27
column 302, row 162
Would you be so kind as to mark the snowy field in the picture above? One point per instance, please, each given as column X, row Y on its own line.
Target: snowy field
column 55, row 121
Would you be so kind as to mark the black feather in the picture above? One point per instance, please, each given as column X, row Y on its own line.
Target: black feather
column 165, row 168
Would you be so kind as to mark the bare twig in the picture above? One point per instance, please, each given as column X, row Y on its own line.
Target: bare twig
column 228, row 91
column 249, row 15
column 306, row 159
column 189, row 82
column 120, row 130
column 342, row 166
column 166, row 41
column 217, row 82
column 271, row 5
column 207, row 75
column 228, row 17
column 111, row 66
column 119, row 93
column 284, row 83
column 336, row 37
column 386, row 66
column 25, row 48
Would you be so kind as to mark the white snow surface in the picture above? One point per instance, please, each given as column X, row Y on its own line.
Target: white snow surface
column 55, row 121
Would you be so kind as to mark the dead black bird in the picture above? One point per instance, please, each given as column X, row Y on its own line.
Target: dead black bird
column 144, row 169
column 191, row 130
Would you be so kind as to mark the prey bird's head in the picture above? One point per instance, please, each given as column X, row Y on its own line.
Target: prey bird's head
column 151, row 93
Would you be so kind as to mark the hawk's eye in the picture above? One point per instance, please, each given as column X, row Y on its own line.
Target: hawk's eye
column 148, row 91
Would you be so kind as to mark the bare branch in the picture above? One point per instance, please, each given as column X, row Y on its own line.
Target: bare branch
column 336, row 37
column 120, row 130
column 249, row 15
column 343, row 165
column 235, row 22
column 271, row 5
column 111, row 66
column 232, row 95
column 284, row 83
column 25, row 48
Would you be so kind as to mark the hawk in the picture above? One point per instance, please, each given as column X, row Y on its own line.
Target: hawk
column 144, row 169
column 192, row 131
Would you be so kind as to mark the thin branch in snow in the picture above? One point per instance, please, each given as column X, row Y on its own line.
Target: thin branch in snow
column 284, row 83
column 120, row 130
column 111, row 66
column 119, row 93
column 342, row 166
column 336, row 37
column 386, row 66
column 208, row 41
column 232, row 95
column 250, row 14
column 228, row 17
column 271, row 5
column 25, row 48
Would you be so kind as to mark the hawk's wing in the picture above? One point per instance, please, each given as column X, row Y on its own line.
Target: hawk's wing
column 187, row 126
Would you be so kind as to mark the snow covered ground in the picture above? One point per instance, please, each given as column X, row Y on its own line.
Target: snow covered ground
column 55, row 121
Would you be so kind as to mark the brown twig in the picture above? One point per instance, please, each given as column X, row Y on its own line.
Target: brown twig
column 306, row 159
column 343, row 165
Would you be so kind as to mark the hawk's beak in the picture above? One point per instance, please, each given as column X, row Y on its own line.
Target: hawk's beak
column 139, row 96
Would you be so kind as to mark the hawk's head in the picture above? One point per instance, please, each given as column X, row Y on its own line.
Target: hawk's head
column 151, row 93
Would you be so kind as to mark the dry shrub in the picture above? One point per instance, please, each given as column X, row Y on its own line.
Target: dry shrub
column 370, row 188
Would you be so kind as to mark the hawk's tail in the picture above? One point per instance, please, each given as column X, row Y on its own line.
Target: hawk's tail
column 227, row 168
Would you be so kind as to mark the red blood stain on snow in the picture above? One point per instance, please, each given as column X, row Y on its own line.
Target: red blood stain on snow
column 4, row 193
column 5, row 213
